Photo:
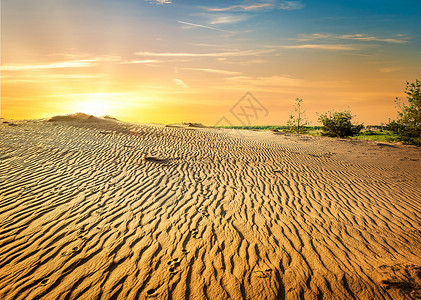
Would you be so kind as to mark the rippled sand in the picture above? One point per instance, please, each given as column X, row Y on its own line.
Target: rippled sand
column 100, row 209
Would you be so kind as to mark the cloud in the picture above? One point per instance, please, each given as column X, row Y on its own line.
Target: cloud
column 322, row 47
column 277, row 83
column 207, row 45
column 212, row 54
column 291, row 5
column 62, row 64
column 398, row 39
column 216, row 71
column 242, row 7
column 47, row 77
column 180, row 83
column 283, row 5
column 201, row 26
column 267, row 81
column 365, row 37
column 97, row 95
column 160, row 2
column 228, row 19
column 144, row 61
column 311, row 37
column 54, row 65
column 389, row 69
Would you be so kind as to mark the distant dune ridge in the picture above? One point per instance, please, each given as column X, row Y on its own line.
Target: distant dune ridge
column 72, row 117
column 106, row 124
column 96, row 208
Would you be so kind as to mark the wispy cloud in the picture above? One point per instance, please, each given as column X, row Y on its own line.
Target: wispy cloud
column 180, row 83
column 89, row 62
column 199, row 25
column 212, row 54
column 398, row 39
column 207, row 45
column 54, row 65
column 88, row 94
column 263, row 83
column 365, row 37
column 322, row 47
column 283, row 5
column 389, row 69
column 241, row 7
column 160, row 2
column 277, row 83
column 48, row 77
column 143, row 61
column 291, row 5
column 216, row 71
column 228, row 19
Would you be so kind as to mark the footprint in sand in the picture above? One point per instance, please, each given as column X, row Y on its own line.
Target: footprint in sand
column 81, row 232
column 203, row 211
column 403, row 277
column 151, row 293
column 154, row 159
column 263, row 273
column 174, row 264
column 195, row 233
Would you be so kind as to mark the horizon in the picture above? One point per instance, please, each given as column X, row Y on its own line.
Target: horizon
column 182, row 61
column 159, row 123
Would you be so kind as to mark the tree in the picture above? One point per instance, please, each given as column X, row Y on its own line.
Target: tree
column 408, row 124
column 338, row 124
column 297, row 119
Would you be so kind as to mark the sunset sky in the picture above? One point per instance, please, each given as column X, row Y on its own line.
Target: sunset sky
column 192, row 61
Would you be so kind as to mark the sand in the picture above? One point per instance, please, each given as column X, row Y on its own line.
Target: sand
column 95, row 208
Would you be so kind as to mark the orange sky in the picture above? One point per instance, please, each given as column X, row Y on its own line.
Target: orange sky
column 192, row 62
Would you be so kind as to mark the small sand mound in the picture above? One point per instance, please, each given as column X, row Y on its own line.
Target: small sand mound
column 186, row 125
column 153, row 158
column 106, row 125
column 198, row 125
column 72, row 117
column 110, row 118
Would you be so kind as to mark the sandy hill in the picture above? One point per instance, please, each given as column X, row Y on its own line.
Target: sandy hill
column 155, row 212
column 73, row 117
column 106, row 124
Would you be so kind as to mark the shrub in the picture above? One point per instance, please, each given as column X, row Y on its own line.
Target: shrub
column 338, row 124
column 297, row 119
column 408, row 124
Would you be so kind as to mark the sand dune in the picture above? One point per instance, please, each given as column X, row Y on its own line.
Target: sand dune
column 111, row 210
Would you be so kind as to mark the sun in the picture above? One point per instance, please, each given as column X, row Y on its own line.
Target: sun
column 95, row 105
column 93, row 108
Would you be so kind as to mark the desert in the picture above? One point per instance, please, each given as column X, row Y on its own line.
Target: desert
column 96, row 208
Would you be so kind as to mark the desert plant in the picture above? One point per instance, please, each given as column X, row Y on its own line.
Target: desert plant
column 408, row 124
column 297, row 119
column 338, row 124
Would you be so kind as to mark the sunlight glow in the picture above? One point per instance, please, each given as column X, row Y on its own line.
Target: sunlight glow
column 94, row 104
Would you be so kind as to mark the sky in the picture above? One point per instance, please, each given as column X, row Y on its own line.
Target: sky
column 212, row 62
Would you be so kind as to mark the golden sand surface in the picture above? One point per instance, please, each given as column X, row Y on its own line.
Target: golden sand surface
column 94, row 208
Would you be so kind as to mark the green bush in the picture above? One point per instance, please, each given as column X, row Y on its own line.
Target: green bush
column 408, row 124
column 338, row 124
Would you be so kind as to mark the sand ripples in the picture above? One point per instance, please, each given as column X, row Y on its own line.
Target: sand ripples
column 182, row 213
